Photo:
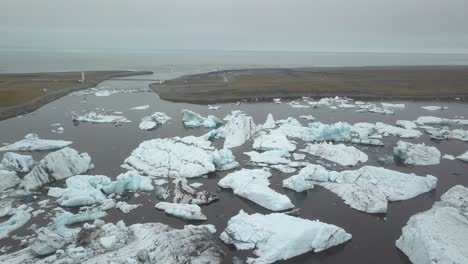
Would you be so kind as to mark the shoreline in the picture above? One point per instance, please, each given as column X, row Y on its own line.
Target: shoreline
column 66, row 81
column 367, row 83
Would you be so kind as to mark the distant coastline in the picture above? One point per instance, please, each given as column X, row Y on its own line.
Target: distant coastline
column 376, row 82
column 25, row 92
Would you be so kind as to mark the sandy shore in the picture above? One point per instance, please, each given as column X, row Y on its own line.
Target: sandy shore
column 24, row 93
column 411, row 82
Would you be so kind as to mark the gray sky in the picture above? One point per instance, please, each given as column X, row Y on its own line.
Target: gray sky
column 315, row 25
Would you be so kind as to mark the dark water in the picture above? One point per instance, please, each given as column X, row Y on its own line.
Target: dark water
column 373, row 235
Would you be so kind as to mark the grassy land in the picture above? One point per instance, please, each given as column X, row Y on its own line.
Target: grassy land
column 367, row 82
column 22, row 93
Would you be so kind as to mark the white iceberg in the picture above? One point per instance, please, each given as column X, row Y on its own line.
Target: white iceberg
column 368, row 189
column 192, row 119
column 270, row 156
column 254, row 186
column 307, row 117
column 81, row 190
column 417, row 154
column 223, row 159
column 32, row 142
column 279, row 236
column 17, row 162
column 154, row 120
column 141, row 107
column 448, row 157
column 183, row 211
column 93, row 117
column 126, row 208
column 432, row 120
column 269, row 122
column 386, row 130
column 439, row 234
column 393, row 105
column 129, row 181
column 463, row 156
column 213, row 107
column 434, row 107
column 8, row 179
column 406, row 124
column 57, row 165
column 273, row 141
column 446, row 133
column 298, row 156
column 17, row 220
column 238, row 130
column 339, row 153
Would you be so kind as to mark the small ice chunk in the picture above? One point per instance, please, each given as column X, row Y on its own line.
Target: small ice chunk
column 32, row 142
column 57, row 165
column 213, row 107
column 269, row 122
column 224, row 160
column 367, row 189
column 81, row 190
column 273, row 141
column 154, row 120
column 141, row 107
column 192, row 119
column 129, row 181
column 159, row 182
column 17, row 162
column 307, row 117
column 434, row 107
column 277, row 100
column 446, row 133
column 108, row 242
column 17, row 220
column 339, row 153
column 93, row 117
column 448, row 157
column 417, row 154
column 406, row 124
column 239, row 129
column 162, row 193
column 298, row 156
column 183, row 211
column 284, row 168
column 8, row 179
column 272, row 241
column 196, row 184
column 185, row 194
column 432, row 120
column 439, row 234
column 126, row 208
column 393, row 105
column 254, row 186
column 5, row 207
column 270, row 156
column 463, row 156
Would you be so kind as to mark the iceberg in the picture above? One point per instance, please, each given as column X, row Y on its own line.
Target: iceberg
column 224, row 160
column 270, row 156
column 439, row 234
column 368, row 189
column 57, row 165
column 386, row 130
column 138, row 243
column 269, row 122
column 238, row 130
column 8, row 179
column 406, row 124
column 254, row 186
column 5, row 207
column 446, row 133
column 129, row 181
column 186, row 157
column 214, row 134
column 154, row 120
column 93, row 117
column 185, row 194
column 273, row 242
column 192, row 119
column 17, row 162
column 126, row 208
column 273, row 141
column 283, row 168
column 183, row 211
column 339, row 153
column 389, row 105
column 463, row 156
column 298, row 156
column 141, row 107
column 448, row 157
column 307, row 117
column 32, row 142
column 432, row 120
column 81, row 190
column 434, row 107
column 213, row 107
column 17, row 220
column 417, row 154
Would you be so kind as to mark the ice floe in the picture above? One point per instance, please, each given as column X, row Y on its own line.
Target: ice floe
column 138, row 243
column 307, row 117
column 432, row 120
column 463, row 156
column 417, row 154
column 272, row 241
column 17, row 162
column 57, row 165
column 32, row 142
column 8, row 179
column 393, row 105
column 192, row 119
column 175, row 157
column 183, row 211
column 125, row 207
column 439, row 234
column 254, row 186
column 239, row 129
column 154, row 120
column 273, row 141
column 406, row 124
column 367, row 189
column 142, row 107
column 93, row 117
column 434, row 107
column 270, row 156
column 446, row 133
column 386, row 130
column 448, row 157
column 338, row 153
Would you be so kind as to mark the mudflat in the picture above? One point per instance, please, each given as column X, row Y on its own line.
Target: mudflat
column 397, row 82
column 25, row 92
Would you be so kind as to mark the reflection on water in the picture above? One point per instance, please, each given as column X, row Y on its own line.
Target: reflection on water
column 373, row 235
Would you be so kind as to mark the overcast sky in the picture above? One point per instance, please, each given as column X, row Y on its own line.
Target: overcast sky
column 315, row 25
